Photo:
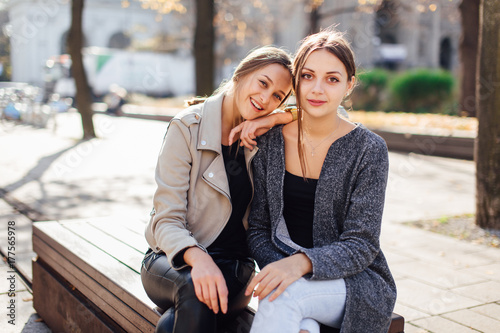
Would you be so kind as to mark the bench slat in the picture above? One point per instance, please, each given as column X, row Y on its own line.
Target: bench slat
column 130, row 237
column 108, row 303
column 108, row 244
column 120, row 280
column 61, row 307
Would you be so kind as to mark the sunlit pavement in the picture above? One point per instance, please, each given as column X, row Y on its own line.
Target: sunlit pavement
column 444, row 285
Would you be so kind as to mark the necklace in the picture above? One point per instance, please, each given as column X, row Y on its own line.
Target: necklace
column 313, row 148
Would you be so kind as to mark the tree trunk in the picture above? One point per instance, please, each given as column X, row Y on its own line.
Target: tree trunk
column 314, row 19
column 488, row 102
column 204, row 40
column 469, row 12
column 83, row 96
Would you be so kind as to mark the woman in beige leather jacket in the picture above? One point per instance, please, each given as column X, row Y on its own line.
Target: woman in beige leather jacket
column 198, row 264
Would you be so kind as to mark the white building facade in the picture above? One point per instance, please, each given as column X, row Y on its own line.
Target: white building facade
column 407, row 35
column 39, row 29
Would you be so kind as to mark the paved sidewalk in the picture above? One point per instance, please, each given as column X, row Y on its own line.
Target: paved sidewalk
column 444, row 285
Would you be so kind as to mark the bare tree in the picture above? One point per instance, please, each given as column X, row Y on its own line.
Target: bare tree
column 316, row 14
column 83, row 94
column 469, row 12
column 204, row 40
column 488, row 102
column 6, row 70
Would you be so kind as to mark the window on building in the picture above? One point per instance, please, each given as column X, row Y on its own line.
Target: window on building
column 445, row 53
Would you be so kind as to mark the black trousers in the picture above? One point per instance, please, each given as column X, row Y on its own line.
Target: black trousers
column 173, row 290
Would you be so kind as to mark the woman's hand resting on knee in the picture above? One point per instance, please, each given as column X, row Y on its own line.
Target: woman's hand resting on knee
column 279, row 275
column 209, row 283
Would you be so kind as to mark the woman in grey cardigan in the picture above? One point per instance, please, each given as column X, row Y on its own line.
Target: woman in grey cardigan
column 315, row 221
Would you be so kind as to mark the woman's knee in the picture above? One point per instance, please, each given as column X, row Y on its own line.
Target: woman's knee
column 309, row 325
column 155, row 288
column 185, row 307
column 166, row 322
column 278, row 315
column 281, row 306
column 160, row 281
column 194, row 316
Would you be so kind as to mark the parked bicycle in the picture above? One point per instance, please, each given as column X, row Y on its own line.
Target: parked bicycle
column 21, row 103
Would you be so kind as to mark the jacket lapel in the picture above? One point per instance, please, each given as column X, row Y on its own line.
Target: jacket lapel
column 210, row 126
column 209, row 139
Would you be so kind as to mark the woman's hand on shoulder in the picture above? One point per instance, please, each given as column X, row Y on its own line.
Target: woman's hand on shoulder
column 209, row 283
column 279, row 275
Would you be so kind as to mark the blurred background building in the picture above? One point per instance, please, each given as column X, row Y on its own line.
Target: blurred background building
column 131, row 43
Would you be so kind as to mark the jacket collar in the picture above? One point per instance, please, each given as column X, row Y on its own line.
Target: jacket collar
column 210, row 126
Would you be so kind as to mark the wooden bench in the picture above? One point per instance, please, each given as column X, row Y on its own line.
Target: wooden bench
column 86, row 278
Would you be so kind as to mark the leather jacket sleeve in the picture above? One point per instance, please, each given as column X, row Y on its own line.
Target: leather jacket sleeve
column 169, row 223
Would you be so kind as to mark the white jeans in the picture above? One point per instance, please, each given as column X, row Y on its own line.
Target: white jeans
column 303, row 305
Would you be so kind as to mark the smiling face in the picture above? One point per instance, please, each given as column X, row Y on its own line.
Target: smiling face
column 323, row 84
column 262, row 91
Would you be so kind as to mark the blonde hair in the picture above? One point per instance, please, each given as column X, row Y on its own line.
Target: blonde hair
column 255, row 60
column 332, row 41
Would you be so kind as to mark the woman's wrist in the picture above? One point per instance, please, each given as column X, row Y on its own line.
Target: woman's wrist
column 281, row 118
column 193, row 255
column 273, row 119
column 304, row 263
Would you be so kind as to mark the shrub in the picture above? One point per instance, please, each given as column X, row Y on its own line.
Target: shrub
column 372, row 90
column 377, row 77
column 422, row 91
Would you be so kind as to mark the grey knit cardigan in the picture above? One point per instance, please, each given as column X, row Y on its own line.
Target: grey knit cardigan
column 348, row 210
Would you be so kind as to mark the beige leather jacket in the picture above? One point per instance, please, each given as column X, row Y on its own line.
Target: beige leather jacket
column 192, row 203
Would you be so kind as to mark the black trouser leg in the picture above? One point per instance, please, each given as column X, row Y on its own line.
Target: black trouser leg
column 188, row 314
column 166, row 322
column 171, row 289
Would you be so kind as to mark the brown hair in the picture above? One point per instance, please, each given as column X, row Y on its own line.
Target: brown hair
column 256, row 59
column 332, row 41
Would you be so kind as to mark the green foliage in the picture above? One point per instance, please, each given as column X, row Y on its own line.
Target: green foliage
column 377, row 77
column 372, row 89
column 422, row 90
column 444, row 219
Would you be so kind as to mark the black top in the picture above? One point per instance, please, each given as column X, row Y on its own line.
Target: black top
column 298, row 210
column 233, row 237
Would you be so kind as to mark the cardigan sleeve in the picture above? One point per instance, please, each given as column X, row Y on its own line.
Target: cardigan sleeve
column 359, row 242
column 259, row 232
